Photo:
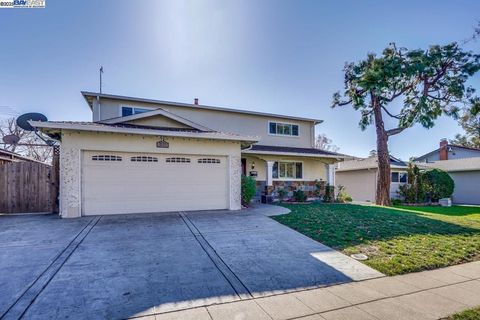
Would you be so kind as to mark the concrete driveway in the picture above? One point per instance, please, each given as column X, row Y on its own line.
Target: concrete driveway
column 133, row 265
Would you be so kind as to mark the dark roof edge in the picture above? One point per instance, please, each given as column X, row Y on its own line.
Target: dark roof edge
column 86, row 94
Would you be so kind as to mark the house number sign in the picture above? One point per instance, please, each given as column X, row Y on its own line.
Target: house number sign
column 162, row 144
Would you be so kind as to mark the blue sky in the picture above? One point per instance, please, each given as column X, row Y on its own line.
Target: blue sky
column 272, row 56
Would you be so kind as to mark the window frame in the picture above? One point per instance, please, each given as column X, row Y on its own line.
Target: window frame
column 277, row 164
column 291, row 135
column 399, row 175
column 134, row 110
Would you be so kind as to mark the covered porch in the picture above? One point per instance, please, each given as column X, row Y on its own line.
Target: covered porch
column 290, row 169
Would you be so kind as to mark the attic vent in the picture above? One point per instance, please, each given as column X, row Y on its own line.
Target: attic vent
column 208, row 160
column 178, row 160
column 144, row 159
column 106, row 158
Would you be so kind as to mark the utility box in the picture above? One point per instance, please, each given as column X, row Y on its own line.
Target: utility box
column 445, row 202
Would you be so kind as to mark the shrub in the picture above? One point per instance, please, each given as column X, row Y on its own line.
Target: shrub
column 299, row 196
column 282, row 193
column 329, row 193
column 414, row 191
column 318, row 188
column 249, row 187
column 439, row 184
column 342, row 196
column 396, row 202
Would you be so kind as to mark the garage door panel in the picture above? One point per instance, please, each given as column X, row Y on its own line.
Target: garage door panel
column 110, row 187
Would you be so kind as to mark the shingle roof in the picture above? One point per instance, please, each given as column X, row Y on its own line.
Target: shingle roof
column 465, row 164
column 292, row 150
column 135, row 129
column 368, row 163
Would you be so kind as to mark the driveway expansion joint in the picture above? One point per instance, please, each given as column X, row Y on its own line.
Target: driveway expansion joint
column 18, row 309
column 237, row 285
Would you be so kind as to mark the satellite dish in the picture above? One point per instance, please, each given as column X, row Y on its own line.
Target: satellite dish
column 22, row 121
column 11, row 139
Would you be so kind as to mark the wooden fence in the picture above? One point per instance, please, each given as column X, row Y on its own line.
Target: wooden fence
column 27, row 187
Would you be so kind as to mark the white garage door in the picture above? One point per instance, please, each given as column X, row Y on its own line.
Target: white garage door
column 132, row 183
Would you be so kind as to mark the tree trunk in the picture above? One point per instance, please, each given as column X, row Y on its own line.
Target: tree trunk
column 382, row 197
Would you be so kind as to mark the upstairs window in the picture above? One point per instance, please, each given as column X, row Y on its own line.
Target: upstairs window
column 128, row 111
column 284, row 129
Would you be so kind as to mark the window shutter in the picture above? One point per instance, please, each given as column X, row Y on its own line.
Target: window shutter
column 298, row 170
column 275, row 170
column 273, row 127
column 295, row 130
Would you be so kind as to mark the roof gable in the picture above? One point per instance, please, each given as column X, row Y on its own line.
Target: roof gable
column 158, row 118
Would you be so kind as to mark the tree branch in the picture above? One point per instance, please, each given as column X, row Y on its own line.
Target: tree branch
column 395, row 131
column 390, row 114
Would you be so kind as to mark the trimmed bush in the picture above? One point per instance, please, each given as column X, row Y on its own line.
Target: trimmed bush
column 299, row 196
column 439, row 184
column 249, row 187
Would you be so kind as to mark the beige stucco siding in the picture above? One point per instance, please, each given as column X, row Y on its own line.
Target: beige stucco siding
column 467, row 187
column 312, row 169
column 359, row 184
column 246, row 124
column 74, row 142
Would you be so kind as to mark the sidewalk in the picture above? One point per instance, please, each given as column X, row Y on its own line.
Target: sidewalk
column 425, row 295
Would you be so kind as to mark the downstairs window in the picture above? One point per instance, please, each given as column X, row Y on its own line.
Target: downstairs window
column 287, row 170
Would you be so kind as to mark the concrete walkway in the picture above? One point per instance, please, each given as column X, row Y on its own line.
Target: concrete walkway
column 426, row 295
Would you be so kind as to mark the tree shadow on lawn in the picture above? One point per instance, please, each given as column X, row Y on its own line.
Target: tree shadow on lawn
column 341, row 226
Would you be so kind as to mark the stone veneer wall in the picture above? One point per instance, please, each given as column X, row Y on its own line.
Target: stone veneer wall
column 69, row 205
column 235, row 182
column 309, row 187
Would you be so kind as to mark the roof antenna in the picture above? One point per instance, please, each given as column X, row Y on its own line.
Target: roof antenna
column 101, row 72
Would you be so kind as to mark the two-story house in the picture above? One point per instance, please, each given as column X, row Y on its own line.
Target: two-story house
column 141, row 155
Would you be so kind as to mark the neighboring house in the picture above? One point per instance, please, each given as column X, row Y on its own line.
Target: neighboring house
column 359, row 177
column 466, row 175
column 447, row 151
column 142, row 155
column 9, row 157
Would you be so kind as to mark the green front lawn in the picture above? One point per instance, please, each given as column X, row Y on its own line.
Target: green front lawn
column 397, row 240
column 471, row 314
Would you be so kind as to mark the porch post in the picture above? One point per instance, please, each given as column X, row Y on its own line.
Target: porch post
column 269, row 173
